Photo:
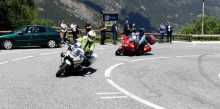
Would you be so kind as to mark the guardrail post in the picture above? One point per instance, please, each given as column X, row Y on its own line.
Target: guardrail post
column 190, row 37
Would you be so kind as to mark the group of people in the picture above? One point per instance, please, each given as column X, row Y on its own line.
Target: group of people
column 114, row 31
column 74, row 28
column 128, row 29
column 168, row 29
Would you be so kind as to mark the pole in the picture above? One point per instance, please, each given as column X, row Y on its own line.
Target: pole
column 203, row 16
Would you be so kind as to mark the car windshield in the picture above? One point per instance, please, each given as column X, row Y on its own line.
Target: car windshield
column 19, row 29
column 15, row 30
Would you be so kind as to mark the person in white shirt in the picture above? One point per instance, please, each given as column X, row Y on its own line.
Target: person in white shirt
column 74, row 30
column 64, row 30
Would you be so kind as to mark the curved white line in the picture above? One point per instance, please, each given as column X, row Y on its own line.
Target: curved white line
column 22, row 58
column 108, row 71
column 4, row 62
column 17, row 51
column 114, row 97
column 48, row 53
column 149, row 59
column 134, row 96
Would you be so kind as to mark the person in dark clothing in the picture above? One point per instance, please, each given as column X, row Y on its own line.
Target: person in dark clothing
column 74, row 30
column 127, row 28
column 133, row 29
column 88, row 27
column 115, row 32
column 102, row 29
column 169, row 29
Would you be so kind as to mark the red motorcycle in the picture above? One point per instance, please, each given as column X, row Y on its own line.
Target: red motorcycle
column 129, row 45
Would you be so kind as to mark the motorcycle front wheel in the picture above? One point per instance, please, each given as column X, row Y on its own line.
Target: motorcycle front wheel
column 61, row 70
column 118, row 52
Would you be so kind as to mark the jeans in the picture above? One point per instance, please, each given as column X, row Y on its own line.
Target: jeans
column 161, row 37
column 114, row 37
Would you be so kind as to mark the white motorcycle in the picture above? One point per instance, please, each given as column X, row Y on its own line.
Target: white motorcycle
column 74, row 60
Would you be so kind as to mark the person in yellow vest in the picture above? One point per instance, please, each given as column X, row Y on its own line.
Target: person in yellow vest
column 88, row 45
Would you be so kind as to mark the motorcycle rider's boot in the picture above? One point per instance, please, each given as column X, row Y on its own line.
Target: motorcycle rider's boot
column 93, row 58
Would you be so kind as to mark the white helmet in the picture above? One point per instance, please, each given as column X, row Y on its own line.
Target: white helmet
column 91, row 35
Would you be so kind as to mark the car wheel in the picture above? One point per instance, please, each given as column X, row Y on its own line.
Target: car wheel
column 51, row 43
column 7, row 44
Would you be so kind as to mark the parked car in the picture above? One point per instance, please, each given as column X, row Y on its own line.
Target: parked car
column 31, row 35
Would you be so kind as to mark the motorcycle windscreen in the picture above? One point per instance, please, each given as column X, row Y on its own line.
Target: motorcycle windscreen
column 151, row 39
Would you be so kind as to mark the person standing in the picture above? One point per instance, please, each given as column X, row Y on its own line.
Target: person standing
column 88, row 27
column 133, row 29
column 162, row 31
column 169, row 29
column 115, row 32
column 64, row 30
column 127, row 28
column 102, row 29
column 74, row 30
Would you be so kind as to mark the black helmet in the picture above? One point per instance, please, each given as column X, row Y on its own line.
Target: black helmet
column 142, row 30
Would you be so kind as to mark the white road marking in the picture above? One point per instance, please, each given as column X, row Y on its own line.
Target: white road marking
column 217, row 54
column 109, row 93
column 4, row 62
column 219, row 75
column 16, row 51
column 195, row 46
column 119, row 59
column 10, row 52
column 108, row 71
column 114, row 97
column 48, row 53
column 187, row 56
column 149, row 59
column 134, row 96
column 22, row 58
column 207, row 42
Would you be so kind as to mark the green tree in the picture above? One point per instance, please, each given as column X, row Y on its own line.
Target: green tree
column 211, row 26
column 15, row 13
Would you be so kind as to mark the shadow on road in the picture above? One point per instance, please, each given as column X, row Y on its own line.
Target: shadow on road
column 143, row 54
column 85, row 72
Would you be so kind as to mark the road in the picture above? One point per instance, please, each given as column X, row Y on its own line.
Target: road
column 181, row 75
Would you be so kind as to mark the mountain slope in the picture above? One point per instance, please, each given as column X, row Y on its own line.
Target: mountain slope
column 145, row 13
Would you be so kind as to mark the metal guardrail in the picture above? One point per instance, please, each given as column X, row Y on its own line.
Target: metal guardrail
column 190, row 36
column 3, row 32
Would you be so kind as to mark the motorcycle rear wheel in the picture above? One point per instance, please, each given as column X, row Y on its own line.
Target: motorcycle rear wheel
column 118, row 52
column 61, row 70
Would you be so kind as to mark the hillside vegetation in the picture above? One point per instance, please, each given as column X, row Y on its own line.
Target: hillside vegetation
column 145, row 13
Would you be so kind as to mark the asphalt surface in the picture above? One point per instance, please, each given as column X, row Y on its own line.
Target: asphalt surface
column 181, row 75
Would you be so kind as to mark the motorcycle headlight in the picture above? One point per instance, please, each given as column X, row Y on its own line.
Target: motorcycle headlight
column 76, row 52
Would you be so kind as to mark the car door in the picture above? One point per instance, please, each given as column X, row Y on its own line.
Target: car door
column 40, row 35
column 26, row 37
